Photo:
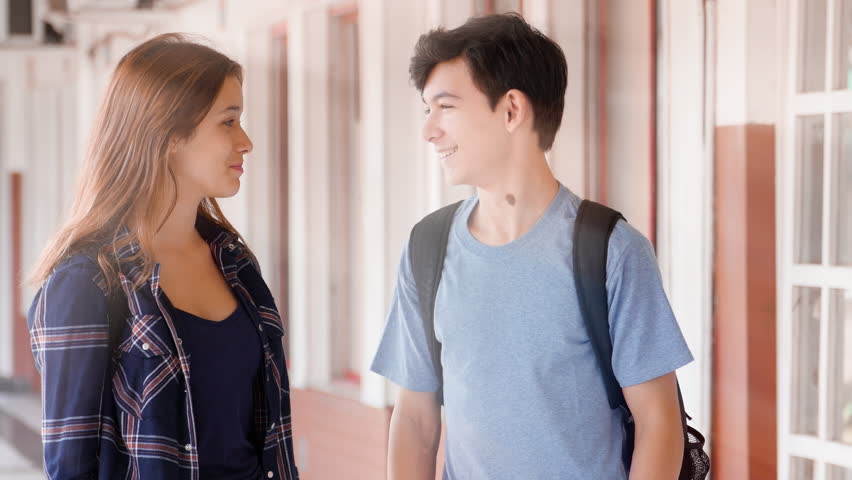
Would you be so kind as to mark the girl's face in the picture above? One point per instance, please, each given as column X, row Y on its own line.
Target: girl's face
column 210, row 163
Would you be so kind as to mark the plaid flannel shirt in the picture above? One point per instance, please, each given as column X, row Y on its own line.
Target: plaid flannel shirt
column 125, row 411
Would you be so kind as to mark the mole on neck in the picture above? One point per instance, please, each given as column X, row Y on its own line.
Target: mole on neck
column 510, row 199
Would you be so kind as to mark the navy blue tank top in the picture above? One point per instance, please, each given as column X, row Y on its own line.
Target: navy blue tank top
column 224, row 364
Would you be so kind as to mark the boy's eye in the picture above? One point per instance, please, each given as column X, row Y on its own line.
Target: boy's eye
column 442, row 107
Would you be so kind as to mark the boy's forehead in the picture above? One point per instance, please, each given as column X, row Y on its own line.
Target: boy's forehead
column 450, row 77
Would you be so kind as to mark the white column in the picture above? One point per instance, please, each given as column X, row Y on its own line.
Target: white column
column 629, row 99
column 71, row 131
column 297, row 202
column 393, row 154
column 537, row 13
column 454, row 12
column 4, row 20
column 309, row 209
column 373, row 115
column 5, row 211
column 569, row 156
column 260, row 164
column 316, row 115
column 87, row 100
column 6, row 316
column 14, row 146
column 44, row 171
column 685, row 192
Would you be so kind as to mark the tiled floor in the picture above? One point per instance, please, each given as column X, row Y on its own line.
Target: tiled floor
column 20, row 441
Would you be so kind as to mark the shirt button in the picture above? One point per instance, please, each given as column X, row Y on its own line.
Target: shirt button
column 145, row 346
column 231, row 246
column 179, row 341
column 272, row 426
column 260, row 327
column 188, row 447
column 269, row 474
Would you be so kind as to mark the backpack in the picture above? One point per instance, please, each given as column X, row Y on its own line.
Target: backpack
column 116, row 315
column 592, row 228
column 117, row 308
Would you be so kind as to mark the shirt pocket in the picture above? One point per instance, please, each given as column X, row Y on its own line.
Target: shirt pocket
column 147, row 381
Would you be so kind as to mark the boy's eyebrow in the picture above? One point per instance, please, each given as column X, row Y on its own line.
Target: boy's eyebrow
column 440, row 95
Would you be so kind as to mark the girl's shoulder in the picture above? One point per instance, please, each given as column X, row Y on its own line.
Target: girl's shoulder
column 79, row 271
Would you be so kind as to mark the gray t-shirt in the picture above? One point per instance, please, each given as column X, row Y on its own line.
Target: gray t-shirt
column 523, row 395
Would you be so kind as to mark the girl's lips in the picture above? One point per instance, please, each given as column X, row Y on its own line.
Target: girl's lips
column 238, row 168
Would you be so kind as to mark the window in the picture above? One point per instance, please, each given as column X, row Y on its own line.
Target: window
column 815, row 288
column 20, row 17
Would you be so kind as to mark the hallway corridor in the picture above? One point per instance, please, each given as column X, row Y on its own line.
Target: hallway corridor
column 20, row 443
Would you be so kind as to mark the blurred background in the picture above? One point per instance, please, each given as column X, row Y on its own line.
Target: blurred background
column 722, row 129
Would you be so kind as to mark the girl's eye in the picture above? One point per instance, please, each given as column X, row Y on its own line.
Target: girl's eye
column 229, row 123
column 446, row 106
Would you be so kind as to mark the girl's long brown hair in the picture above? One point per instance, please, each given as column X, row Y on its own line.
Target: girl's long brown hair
column 159, row 93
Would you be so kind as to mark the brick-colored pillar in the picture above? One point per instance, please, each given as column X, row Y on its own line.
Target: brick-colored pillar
column 744, row 348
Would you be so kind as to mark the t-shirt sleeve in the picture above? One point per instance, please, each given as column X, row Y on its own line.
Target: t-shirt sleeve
column 647, row 341
column 403, row 354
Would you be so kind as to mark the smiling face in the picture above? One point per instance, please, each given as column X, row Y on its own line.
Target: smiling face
column 209, row 164
column 470, row 138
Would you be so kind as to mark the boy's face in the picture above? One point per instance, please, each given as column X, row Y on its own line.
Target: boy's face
column 471, row 140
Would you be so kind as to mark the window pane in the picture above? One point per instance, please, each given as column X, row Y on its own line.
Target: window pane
column 20, row 17
column 812, row 46
column 808, row 236
column 833, row 472
column 842, row 187
column 806, row 315
column 840, row 373
column 843, row 54
column 801, row 468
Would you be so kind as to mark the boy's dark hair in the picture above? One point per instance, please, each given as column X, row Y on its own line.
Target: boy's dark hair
column 502, row 52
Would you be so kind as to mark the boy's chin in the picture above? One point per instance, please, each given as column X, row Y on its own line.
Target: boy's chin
column 454, row 178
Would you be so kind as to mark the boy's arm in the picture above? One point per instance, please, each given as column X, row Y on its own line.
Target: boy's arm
column 415, row 432
column 658, row 447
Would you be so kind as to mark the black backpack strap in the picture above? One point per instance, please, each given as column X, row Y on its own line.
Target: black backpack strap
column 117, row 308
column 592, row 229
column 427, row 247
column 118, row 311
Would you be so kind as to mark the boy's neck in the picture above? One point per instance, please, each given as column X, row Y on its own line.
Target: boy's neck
column 509, row 208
